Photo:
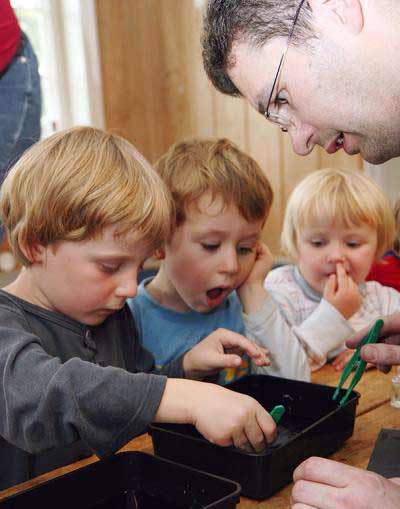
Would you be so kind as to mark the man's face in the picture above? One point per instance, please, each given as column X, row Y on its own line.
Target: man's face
column 329, row 94
column 210, row 254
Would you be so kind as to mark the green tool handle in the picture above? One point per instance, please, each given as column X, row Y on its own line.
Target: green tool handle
column 277, row 412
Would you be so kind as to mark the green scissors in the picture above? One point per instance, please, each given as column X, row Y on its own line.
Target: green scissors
column 357, row 363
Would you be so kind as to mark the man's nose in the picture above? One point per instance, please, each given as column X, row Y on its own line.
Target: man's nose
column 301, row 135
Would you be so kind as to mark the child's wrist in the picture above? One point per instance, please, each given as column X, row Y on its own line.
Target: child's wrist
column 252, row 295
column 177, row 404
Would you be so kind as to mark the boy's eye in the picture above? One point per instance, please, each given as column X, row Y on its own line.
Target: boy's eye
column 210, row 247
column 353, row 244
column 245, row 250
column 109, row 268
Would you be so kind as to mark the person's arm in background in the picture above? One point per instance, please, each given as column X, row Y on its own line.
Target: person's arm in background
column 267, row 327
column 321, row 483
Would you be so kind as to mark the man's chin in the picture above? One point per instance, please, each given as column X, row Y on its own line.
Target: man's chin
column 379, row 157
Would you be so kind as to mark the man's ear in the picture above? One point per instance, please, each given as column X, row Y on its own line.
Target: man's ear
column 346, row 13
column 159, row 254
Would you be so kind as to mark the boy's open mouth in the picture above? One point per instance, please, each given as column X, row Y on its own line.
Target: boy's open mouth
column 216, row 295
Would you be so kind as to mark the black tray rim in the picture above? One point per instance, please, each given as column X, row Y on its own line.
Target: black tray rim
column 354, row 395
column 234, row 496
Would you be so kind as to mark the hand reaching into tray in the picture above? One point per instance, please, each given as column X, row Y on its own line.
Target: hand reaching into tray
column 222, row 416
column 385, row 353
column 221, row 349
column 325, row 484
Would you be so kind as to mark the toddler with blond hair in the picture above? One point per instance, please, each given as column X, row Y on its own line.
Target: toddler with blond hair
column 337, row 223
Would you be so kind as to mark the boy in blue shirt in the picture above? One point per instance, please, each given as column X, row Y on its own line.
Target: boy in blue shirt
column 214, row 264
column 83, row 210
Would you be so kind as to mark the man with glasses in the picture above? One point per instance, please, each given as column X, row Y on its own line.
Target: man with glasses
column 326, row 72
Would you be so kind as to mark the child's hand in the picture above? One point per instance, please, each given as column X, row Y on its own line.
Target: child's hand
column 221, row 349
column 230, row 418
column 222, row 416
column 342, row 292
column 251, row 292
column 343, row 358
column 262, row 265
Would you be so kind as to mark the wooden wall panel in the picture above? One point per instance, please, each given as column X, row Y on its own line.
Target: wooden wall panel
column 156, row 92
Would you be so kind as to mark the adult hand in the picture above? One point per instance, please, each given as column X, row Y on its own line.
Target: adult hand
column 320, row 483
column 221, row 349
column 387, row 352
column 251, row 292
column 342, row 292
column 222, row 416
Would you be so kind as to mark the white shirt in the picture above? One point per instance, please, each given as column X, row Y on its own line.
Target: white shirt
column 318, row 325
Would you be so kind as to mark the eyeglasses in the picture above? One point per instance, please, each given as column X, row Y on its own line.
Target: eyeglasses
column 284, row 121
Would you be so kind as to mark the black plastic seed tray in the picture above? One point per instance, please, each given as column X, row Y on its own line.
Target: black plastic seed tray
column 131, row 480
column 312, row 425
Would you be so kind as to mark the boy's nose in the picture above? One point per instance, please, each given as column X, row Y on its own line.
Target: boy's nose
column 230, row 262
column 128, row 288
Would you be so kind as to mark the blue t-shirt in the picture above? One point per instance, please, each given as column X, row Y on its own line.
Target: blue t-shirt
column 168, row 334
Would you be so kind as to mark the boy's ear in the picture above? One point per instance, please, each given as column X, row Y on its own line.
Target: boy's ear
column 159, row 254
column 35, row 253
column 346, row 13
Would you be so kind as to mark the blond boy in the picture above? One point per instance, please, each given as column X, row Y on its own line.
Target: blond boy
column 337, row 223
column 214, row 264
column 83, row 210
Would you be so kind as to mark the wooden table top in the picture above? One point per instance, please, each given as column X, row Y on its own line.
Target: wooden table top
column 373, row 413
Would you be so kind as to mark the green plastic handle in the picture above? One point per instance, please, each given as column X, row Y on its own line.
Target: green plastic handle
column 277, row 412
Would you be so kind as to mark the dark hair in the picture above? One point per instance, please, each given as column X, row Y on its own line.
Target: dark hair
column 253, row 21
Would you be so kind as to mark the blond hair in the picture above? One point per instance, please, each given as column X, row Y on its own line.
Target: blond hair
column 192, row 167
column 75, row 183
column 340, row 197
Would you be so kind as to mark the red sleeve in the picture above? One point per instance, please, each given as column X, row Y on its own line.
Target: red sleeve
column 10, row 34
column 386, row 272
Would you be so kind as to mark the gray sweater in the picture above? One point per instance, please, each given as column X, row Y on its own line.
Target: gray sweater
column 68, row 390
